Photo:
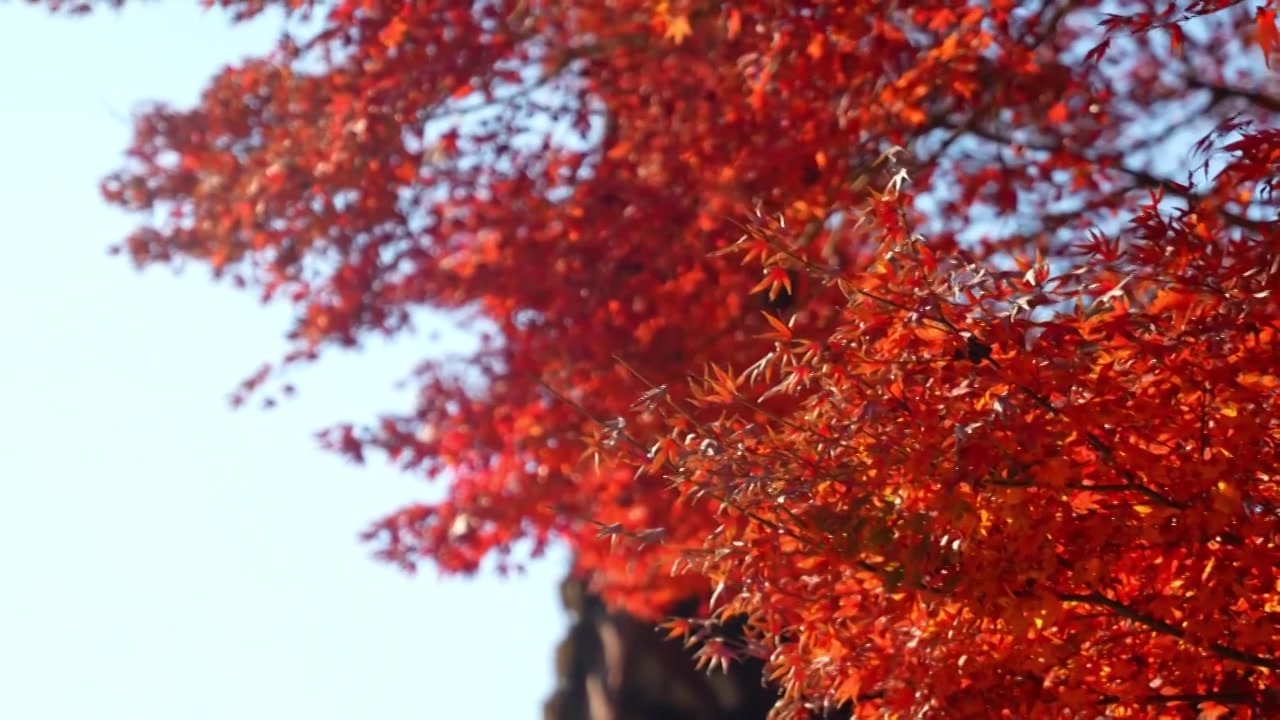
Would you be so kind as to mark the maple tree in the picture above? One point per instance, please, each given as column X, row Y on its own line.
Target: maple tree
column 935, row 339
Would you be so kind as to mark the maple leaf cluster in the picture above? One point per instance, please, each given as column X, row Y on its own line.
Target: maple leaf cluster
column 936, row 339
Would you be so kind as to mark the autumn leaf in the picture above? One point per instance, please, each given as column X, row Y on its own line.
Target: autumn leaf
column 678, row 28
column 392, row 34
column 781, row 331
column 1267, row 34
column 1175, row 39
column 734, row 24
column 1212, row 711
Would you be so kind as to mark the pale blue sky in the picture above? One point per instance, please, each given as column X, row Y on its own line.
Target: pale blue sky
column 164, row 558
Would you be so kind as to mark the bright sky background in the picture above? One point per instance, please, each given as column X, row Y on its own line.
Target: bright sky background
column 164, row 558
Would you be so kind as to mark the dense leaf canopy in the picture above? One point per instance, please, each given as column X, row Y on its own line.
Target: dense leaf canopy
column 937, row 338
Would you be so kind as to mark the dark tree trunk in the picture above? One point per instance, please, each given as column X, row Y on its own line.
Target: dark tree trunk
column 613, row 667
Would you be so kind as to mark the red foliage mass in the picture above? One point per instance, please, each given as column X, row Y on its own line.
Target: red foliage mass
column 1005, row 443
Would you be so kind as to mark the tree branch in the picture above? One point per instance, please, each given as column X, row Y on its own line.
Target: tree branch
column 1223, row 651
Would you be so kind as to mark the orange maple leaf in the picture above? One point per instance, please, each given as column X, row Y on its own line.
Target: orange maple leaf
column 1268, row 35
column 678, row 28
column 393, row 34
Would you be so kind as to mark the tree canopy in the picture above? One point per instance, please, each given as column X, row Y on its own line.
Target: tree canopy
column 936, row 339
